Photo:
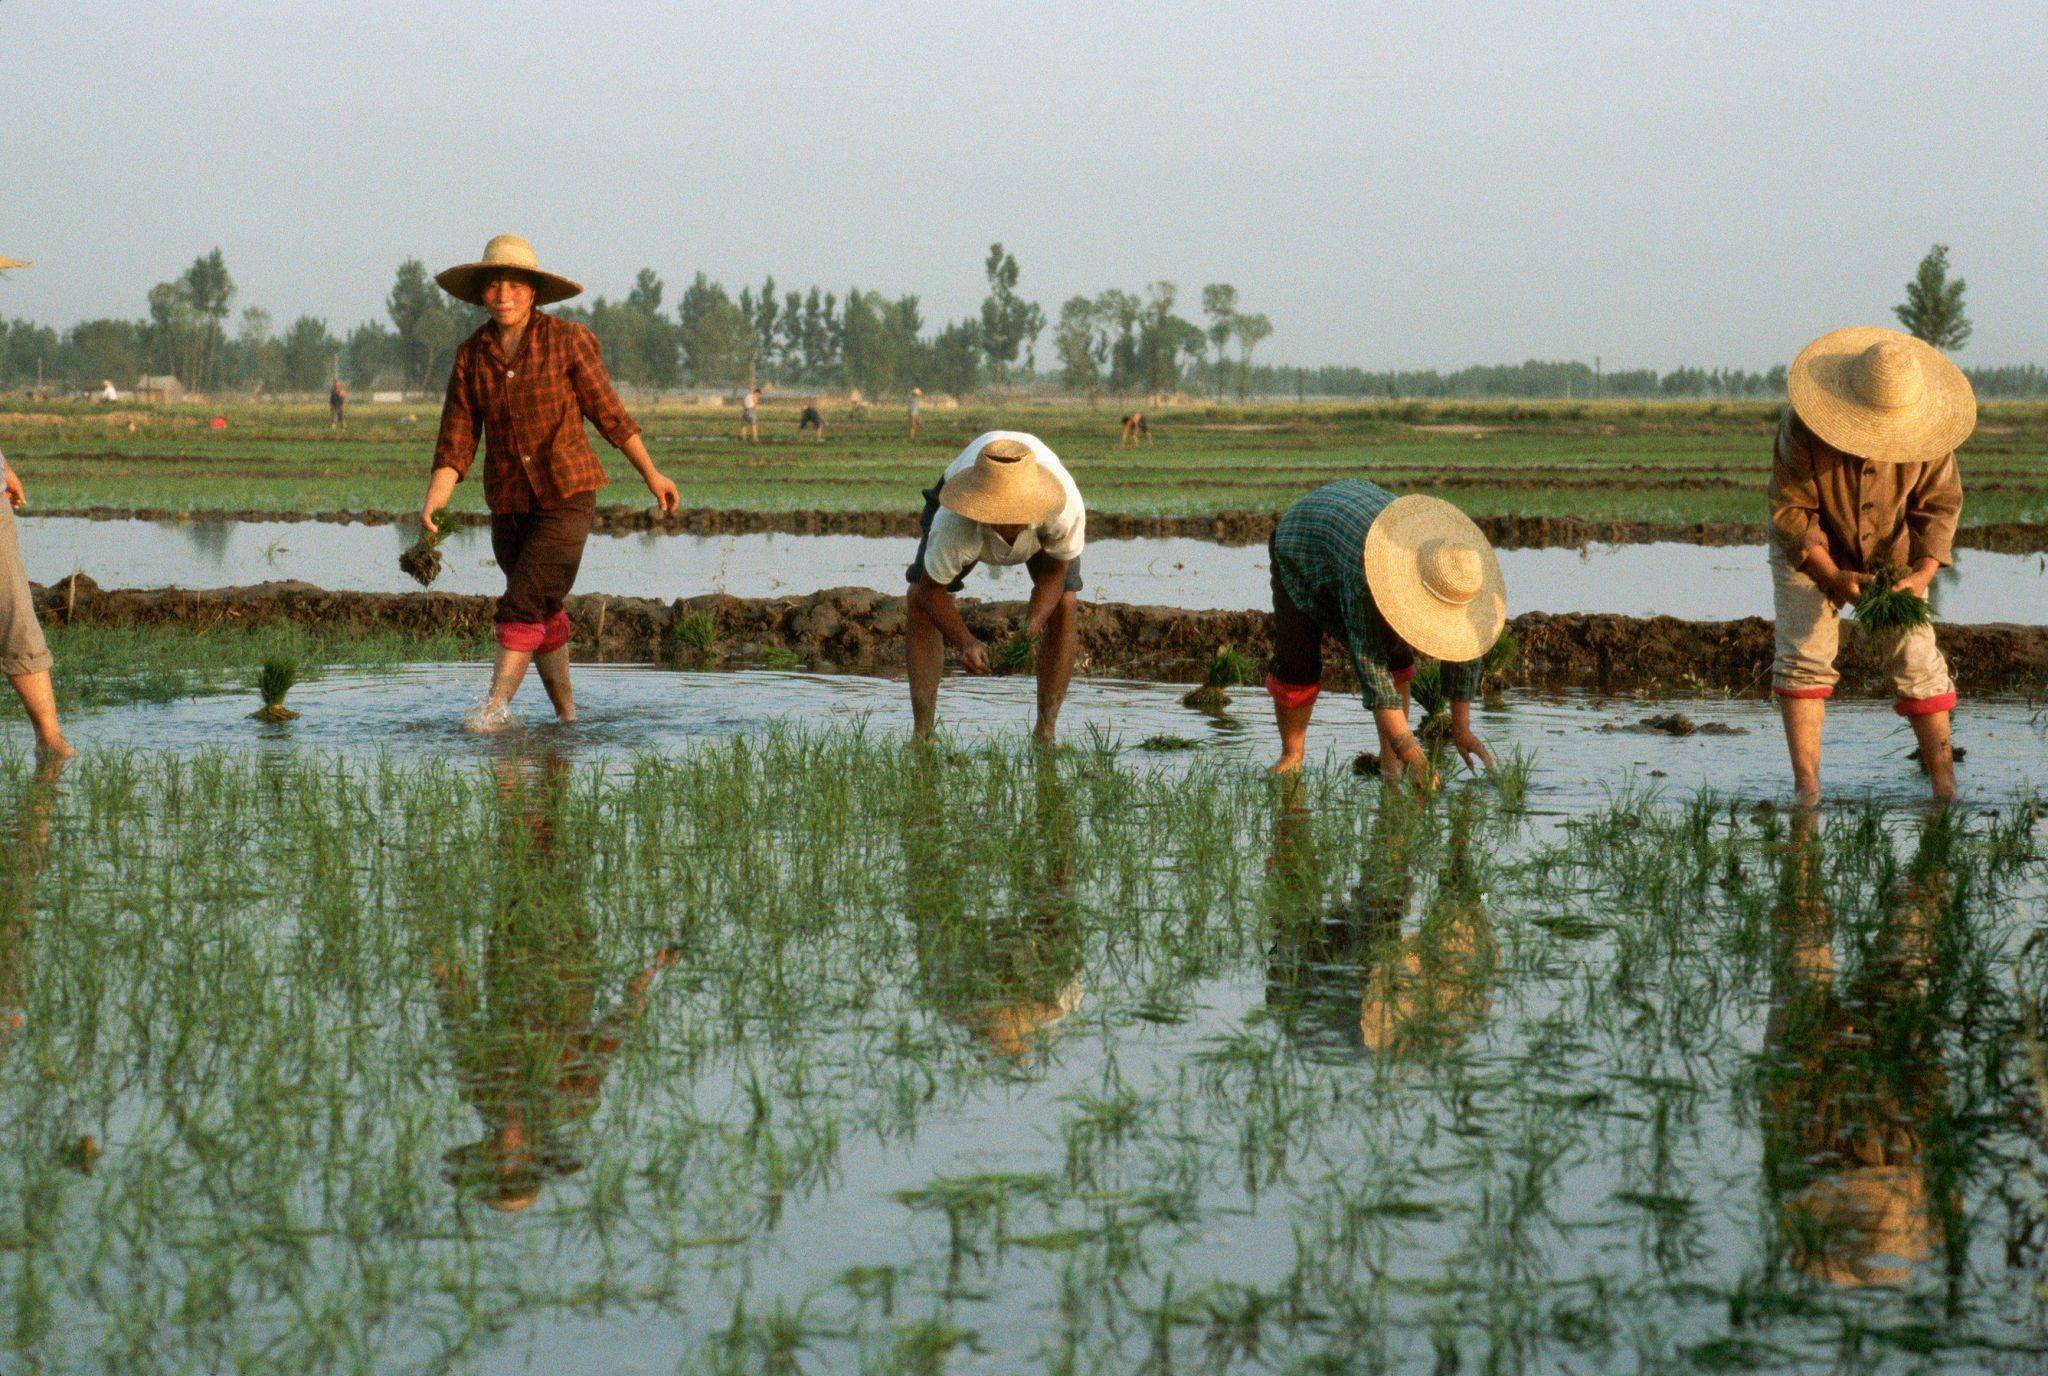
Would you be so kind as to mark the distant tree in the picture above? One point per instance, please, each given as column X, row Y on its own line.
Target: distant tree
column 766, row 312
column 110, row 349
column 956, row 357
column 1933, row 308
column 1219, row 303
column 210, row 291
column 717, row 339
column 306, row 355
column 1008, row 321
column 257, row 360
column 638, row 342
column 1250, row 331
column 175, row 330
column 431, row 325
column 369, row 351
column 1082, row 344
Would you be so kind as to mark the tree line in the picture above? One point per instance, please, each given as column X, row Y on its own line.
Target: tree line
column 1117, row 342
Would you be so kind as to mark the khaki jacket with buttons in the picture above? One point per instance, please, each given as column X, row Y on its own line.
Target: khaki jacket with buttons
column 1864, row 512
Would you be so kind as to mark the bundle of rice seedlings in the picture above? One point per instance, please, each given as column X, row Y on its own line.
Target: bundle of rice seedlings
column 422, row 563
column 1883, row 609
column 1014, row 654
column 1228, row 668
column 272, row 684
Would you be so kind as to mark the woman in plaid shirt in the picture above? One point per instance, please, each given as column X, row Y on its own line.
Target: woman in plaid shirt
column 530, row 381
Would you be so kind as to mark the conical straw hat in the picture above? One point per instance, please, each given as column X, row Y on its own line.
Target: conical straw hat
column 6, row 263
column 1006, row 485
column 506, row 253
column 1435, row 578
column 1882, row 395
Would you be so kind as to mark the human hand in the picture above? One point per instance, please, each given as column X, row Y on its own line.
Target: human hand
column 16, row 498
column 1845, row 587
column 429, row 511
column 974, row 657
column 1470, row 747
column 1915, row 582
column 1409, row 760
column 665, row 495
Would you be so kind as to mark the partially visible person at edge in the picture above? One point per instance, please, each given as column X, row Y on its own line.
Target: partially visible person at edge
column 337, row 405
column 24, row 654
column 1006, row 499
column 1864, row 475
column 916, row 405
column 750, row 416
column 1389, row 578
column 812, row 420
column 530, row 380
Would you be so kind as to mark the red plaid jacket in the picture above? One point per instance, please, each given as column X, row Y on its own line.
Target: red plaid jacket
column 531, row 408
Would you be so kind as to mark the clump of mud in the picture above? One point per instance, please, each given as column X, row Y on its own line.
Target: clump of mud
column 1677, row 724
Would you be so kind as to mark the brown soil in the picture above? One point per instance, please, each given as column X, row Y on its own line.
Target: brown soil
column 861, row 629
column 1224, row 528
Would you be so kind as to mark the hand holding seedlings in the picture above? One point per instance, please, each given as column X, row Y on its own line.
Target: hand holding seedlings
column 1894, row 600
column 974, row 657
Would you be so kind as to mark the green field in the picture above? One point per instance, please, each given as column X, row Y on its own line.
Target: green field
column 1670, row 461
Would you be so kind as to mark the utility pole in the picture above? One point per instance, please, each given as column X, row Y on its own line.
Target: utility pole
column 1596, row 375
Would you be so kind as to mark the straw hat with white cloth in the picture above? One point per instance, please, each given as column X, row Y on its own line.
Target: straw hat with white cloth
column 1882, row 395
column 1435, row 579
column 506, row 253
column 1005, row 485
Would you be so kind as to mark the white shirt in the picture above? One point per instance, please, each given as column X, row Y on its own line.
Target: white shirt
column 955, row 542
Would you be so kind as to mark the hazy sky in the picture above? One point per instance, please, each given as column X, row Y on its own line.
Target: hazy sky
column 1654, row 183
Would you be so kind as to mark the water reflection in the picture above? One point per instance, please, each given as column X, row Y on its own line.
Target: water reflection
column 1350, row 973
column 1003, row 962
column 527, row 1039
column 28, row 842
column 1853, row 1081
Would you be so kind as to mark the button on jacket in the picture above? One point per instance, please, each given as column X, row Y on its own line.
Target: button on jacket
column 1864, row 513
column 531, row 408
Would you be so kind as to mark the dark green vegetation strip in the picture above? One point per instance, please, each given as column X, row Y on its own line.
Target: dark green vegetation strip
column 825, row 1053
column 1675, row 463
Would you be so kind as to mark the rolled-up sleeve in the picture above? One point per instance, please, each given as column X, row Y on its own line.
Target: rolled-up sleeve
column 1368, row 653
column 1794, row 494
column 595, row 396
column 1932, row 509
column 455, row 446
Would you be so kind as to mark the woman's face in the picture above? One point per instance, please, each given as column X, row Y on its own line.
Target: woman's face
column 508, row 296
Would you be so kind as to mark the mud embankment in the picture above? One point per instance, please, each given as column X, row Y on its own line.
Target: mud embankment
column 1224, row 528
column 861, row 629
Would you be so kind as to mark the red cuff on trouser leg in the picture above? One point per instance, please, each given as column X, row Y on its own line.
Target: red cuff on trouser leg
column 1403, row 676
column 556, row 635
column 521, row 635
column 1804, row 692
column 1926, row 707
column 1292, row 694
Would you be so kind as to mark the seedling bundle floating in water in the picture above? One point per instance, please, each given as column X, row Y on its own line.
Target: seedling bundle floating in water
column 1884, row 609
column 273, row 683
column 1228, row 668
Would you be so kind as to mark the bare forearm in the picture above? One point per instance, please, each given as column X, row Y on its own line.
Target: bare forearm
column 635, row 450
column 939, row 606
column 440, row 487
column 1045, row 596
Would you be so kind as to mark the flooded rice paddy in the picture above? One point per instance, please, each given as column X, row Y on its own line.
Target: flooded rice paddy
column 694, row 1039
column 1696, row 582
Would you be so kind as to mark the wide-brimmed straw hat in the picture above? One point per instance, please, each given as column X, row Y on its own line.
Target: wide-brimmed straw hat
column 1435, row 578
column 506, row 253
column 1006, row 485
column 6, row 263
column 1882, row 395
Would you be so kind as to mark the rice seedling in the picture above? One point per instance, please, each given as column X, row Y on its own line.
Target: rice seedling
column 1165, row 743
column 692, row 635
column 780, row 658
column 275, row 680
column 421, row 560
column 1883, row 610
column 1227, row 668
column 1017, row 653
column 812, row 1051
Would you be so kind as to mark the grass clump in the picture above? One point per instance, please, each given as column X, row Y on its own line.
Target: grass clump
column 1162, row 743
column 272, row 683
column 690, row 636
column 1015, row 654
column 1884, row 610
column 780, row 658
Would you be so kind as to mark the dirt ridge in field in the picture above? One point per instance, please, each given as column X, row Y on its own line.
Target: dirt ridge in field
column 1223, row 528
column 861, row 629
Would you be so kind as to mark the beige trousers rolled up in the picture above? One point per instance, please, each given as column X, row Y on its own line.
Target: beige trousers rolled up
column 22, row 647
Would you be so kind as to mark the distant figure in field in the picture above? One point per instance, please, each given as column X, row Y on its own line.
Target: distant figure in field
column 916, row 403
column 750, row 416
column 1136, row 431
column 813, row 420
column 337, row 405
column 107, row 392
